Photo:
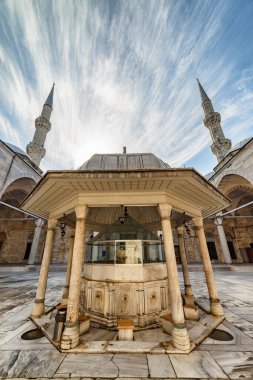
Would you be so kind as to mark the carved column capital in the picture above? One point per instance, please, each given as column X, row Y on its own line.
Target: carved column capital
column 39, row 222
column 218, row 220
column 51, row 224
column 180, row 230
column 164, row 210
column 198, row 222
column 81, row 211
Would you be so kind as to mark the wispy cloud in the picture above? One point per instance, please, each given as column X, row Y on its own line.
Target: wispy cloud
column 125, row 75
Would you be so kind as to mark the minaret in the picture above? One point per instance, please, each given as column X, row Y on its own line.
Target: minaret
column 220, row 145
column 35, row 149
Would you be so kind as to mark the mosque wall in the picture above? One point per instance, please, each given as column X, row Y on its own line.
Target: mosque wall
column 240, row 164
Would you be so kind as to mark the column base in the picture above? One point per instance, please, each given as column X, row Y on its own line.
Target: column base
column 180, row 337
column 215, row 307
column 70, row 336
column 38, row 308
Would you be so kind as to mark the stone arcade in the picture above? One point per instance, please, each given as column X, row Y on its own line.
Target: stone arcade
column 128, row 272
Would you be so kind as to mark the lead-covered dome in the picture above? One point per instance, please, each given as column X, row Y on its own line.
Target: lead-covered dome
column 239, row 145
column 129, row 161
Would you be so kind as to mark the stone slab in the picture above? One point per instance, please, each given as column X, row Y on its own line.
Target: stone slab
column 160, row 366
column 134, row 347
column 44, row 365
column 11, row 334
column 89, row 366
column 12, row 363
column 237, row 365
column 201, row 330
column 17, row 343
column 197, row 365
column 131, row 365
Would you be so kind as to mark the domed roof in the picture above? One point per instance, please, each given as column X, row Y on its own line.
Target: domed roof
column 15, row 149
column 129, row 161
column 239, row 145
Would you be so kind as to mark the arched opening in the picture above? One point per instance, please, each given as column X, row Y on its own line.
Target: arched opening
column 211, row 245
column 18, row 190
column 232, row 181
column 230, row 243
column 240, row 191
column 28, row 247
column 15, row 223
column 2, row 240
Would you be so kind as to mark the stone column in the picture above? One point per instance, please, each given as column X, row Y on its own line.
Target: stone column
column 187, row 282
column 180, row 337
column 39, row 303
column 36, row 237
column 215, row 306
column 70, row 337
column 218, row 221
column 65, row 294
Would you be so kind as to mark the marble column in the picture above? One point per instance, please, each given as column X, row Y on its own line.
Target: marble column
column 65, row 294
column 36, row 237
column 187, row 282
column 218, row 221
column 215, row 306
column 39, row 303
column 70, row 337
column 180, row 337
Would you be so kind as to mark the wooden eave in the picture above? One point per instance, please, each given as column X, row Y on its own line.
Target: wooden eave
column 65, row 189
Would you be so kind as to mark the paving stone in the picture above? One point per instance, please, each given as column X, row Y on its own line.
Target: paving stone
column 238, row 365
column 12, row 363
column 196, row 365
column 160, row 366
column 44, row 365
column 88, row 365
column 134, row 365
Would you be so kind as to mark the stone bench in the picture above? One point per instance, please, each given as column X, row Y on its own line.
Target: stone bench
column 125, row 329
column 191, row 312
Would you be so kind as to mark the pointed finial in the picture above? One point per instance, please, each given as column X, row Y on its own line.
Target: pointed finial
column 49, row 101
column 203, row 94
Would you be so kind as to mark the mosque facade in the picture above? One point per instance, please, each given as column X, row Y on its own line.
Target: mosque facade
column 229, row 237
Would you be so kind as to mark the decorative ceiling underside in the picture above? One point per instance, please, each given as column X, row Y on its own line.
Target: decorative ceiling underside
column 99, row 218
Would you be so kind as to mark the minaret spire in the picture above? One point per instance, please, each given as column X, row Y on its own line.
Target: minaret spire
column 203, row 94
column 35, row 149
column 221, row 145
column 50, row 98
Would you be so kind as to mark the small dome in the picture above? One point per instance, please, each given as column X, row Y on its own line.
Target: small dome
column 130, row 161
column 239, row 145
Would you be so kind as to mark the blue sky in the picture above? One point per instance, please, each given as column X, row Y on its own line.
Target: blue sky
column 125, row 74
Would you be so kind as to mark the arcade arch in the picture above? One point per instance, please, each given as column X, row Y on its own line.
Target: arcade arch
column 240, row 222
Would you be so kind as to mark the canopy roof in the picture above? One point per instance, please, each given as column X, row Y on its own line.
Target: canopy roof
column 104, row 192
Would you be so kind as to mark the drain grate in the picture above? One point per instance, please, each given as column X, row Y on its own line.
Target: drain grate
column 32, row 334
column 221, row 335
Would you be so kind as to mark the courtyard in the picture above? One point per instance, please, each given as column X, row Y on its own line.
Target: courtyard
column 212, row 359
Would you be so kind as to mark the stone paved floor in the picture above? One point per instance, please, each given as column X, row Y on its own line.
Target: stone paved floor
column 39, row 359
